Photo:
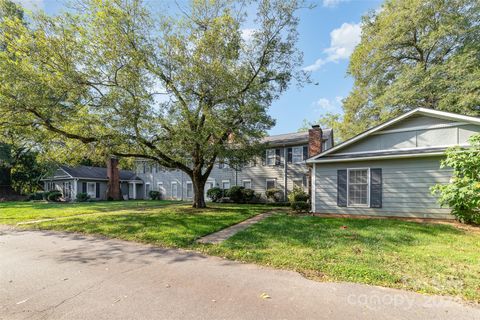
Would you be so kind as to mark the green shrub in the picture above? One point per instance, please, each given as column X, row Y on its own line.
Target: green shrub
column 236, row 194
column 155, row 195
column 35, row 196
column 54, row 196
column 215, row 194
column 462, row 194
column 248, row 195
column 82, row 197
column 300, row 206
column 298, row 194
column 274, row 194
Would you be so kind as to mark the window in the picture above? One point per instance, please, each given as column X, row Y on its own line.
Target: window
column 271, row 157
column 358, row 187
column 298, row 183
column 174, row 190
column 67, row 190
column 324, row 145
column 189, row 190
column 147, row 190
column 92, row 189
column 160, row 188
column 271, row 184
column 247, row 184
column 297, row 154
column 225, row 184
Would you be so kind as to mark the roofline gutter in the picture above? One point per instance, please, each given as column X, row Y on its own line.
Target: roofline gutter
column 394, row 156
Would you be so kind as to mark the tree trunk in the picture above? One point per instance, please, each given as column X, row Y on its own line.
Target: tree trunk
column 198, row 190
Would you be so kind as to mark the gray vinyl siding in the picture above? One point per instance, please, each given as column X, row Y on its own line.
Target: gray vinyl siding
column 423, row 138
column 257, row 174
column 419, row 121
column 406, row 188
column 103, row 188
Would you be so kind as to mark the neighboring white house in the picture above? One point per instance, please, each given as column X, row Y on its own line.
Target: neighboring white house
column 389, row 169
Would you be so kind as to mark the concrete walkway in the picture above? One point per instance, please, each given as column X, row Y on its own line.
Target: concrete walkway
column 226, row 233
column 52, row 275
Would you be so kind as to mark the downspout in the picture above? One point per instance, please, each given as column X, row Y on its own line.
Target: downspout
column 285, row 171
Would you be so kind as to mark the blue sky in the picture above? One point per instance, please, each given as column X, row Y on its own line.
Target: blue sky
column 328, row 34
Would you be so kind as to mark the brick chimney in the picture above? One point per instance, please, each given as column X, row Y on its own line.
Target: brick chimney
column 113, row 189
column 314, row 141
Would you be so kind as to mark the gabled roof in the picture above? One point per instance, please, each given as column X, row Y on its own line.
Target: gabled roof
column 96, row 173
column 418, row 111
column 294, row 138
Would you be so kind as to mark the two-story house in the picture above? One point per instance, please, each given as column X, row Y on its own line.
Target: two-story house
column 283, row 166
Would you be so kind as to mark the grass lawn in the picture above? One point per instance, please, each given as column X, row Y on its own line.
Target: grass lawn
column 168, row 224
column 428, row 258
column 14, row 212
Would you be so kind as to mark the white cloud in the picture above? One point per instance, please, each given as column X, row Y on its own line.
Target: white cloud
column 326, row 105
column 332, row 3
column 343, row 41
column 247, row 34
column 31, row 4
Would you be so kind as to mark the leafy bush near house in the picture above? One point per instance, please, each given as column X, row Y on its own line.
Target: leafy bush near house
column 35, row 196
column 54, row 196
column 248, row 195
column 235, row 194
column 298, row 200
column 462, row 194
column 300, row 206
column 215, row 194
column 155, row 195
column 274, row 194
column 82, row 197
column 298, row 194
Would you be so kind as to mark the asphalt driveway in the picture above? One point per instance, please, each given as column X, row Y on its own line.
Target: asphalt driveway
column 50, row 275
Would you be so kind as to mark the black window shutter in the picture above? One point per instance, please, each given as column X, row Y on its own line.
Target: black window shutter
column 264, row 158
column 84, row 187
column 305, row 152
column 97, row 190
column 289, row 155
column 277, row 157
column 375, row 188
column 342, row 188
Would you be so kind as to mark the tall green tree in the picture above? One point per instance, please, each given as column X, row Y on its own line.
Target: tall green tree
column 183, row 90
column 414, row 53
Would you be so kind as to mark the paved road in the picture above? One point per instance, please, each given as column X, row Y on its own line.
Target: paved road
column 46, row 275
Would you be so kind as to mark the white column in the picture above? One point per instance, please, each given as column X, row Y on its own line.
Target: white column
column 134, row 186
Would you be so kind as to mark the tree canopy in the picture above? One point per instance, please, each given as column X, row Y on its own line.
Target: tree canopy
column 182, row 89
column 413, row 53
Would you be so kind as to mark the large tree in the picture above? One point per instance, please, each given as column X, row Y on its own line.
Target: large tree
column 183, row 89
column 414, row 53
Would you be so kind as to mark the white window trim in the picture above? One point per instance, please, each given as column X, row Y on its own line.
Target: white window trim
column 348, row 189
column 301, row 182
column 175, row 197
column 230, row 185
column 186, row 190
column 270, row 179
column 147, row 184
column 247, row 180
column 274, row 157
column 94, row 190
column 300, row 154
